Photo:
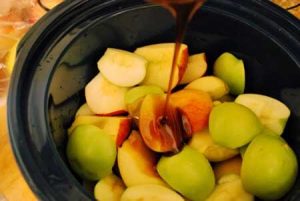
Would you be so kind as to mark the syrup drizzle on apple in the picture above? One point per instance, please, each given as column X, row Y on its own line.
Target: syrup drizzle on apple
column 172, row 124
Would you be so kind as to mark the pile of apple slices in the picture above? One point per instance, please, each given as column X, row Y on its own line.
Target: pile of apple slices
column 224, row 144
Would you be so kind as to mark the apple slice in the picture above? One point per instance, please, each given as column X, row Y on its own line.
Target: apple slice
column 233, row 125
column 161, row 132
column 122, row 68
column 231, row 166
column 137, row 162
column 189, row 173
column 213, row 85
column 232, row 71
column 272, row 113
column 141, row 91
column 196, row 68
column 117, row 127
column 109, row 188
column 194, row 106
column 160, row 57
column 202, row 142
column 150, row 192
column 105, row 98
column 229, row 188
column 84, row 110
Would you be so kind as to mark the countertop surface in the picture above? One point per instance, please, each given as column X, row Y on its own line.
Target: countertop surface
column 12, row 184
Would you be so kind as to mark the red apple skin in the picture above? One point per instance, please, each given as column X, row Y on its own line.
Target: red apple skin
column 124, row 130
column 182, row 64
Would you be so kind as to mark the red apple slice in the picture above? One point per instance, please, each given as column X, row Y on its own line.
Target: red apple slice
column 162, row 132
column 122, row 68
column 195, row 107
column 103, row 97
column 160, row 57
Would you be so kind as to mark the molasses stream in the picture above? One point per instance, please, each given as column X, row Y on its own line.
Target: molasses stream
column 173, row 125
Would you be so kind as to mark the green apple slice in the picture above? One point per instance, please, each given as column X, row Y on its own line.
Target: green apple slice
column 189, row 173
column 122, row 68
column 232, row 71
column 269, row 167
column 233, row 125
column 140, row 91
column 272, row 113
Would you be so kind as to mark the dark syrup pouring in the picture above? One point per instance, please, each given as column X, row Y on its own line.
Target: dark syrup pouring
column 172, row 124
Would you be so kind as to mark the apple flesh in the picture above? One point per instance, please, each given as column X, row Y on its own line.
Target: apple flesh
column 122, row 68
column 230, row 188
column 213, row 85
column 196, row 68
column 195, row 107
column 233, row 125
column 109, row 188
column 272, row 113
column 161, row 132
column 231, row 166
column 189, row 173
column 269, row 167
column 150, row 192
column 232, row 71
column 202, row 142
column 84, row 110
column 91, row 152
column 160, row 57
column 105, row 98
column 116, row 127
column 137, row 162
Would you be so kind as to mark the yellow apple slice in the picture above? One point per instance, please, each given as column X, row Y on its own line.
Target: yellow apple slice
column 203, row 142
column 109, row 188
column 196, row 68
column 137, row 162
column 272, row 113
column 150, row 192
column 230, row 188
column 105, row 98
column 84, row 110
column 213, row 85
column 160, row 57
column 122, row 68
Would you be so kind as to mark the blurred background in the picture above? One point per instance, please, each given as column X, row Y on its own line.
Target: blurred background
column 16, row 18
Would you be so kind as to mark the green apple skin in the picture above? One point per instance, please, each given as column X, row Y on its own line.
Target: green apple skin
column 140, row 91
column 189, row 173
column 269, row 167
column 232, row 71
column 233, row 125
column 91, row 152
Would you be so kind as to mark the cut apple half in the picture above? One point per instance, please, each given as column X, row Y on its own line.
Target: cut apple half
column 122, row 68
column 196, row 68
column 160, row 57
column 105, row 98
column 272, row 113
